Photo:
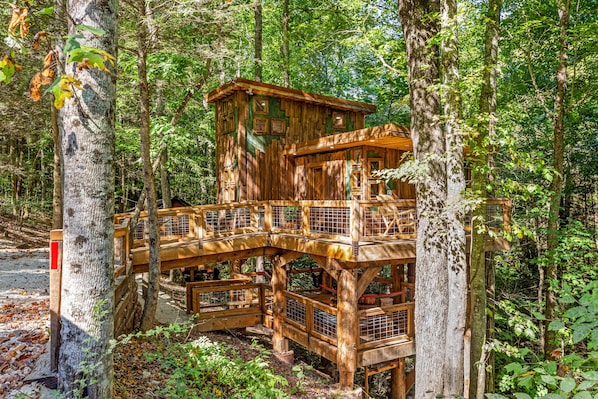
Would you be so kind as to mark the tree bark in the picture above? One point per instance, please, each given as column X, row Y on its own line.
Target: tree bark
column 284, row 48
column 57, row 173
column 151, row 298
column 86, row 309
column 57, row 126
column 487, row 104
column 456, row 259
column 419, row 28
column 556, row 188
column 257, row 68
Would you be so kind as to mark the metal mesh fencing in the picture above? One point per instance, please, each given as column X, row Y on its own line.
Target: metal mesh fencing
column 329, row 220
column 383, row 326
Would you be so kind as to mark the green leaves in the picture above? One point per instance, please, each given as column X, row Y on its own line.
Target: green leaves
column 8, row 68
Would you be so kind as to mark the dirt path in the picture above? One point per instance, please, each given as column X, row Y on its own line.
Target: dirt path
column 24, row 316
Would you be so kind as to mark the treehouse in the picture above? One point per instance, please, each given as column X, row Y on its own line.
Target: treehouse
column 295, row 177
column 275, row 143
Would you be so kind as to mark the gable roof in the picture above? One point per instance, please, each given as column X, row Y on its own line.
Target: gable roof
column 266, row 89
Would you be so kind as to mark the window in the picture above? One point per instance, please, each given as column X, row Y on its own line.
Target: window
column 260, row 125
column 339, row 120
column 279, row 126
column 260, row 105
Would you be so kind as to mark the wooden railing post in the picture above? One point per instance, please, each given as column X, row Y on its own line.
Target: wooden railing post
column 305, row 227
column 355, row 225
column 268, row 217
column 200, row 225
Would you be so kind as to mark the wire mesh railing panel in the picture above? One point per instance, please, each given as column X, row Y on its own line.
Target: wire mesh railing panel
column 228, row 220
column 494, row 216
column 325, row 323
column 286, row 217
column 231, row 298
column 383, row 326
column 388, row 221
column 268, row 300
column 295, row 311
column 174, row 226
column 139, row 230
column 329, row 220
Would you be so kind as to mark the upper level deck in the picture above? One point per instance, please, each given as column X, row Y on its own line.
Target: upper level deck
column 353, row 233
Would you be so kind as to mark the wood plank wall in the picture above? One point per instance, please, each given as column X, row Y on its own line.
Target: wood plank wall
column 268, row 175
column 308, row 121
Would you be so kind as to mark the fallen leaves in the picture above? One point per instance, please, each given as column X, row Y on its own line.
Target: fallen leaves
column 23, row 338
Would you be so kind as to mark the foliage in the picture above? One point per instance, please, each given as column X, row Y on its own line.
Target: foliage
column 573, row 373
column 201, row 368
column 206, row 369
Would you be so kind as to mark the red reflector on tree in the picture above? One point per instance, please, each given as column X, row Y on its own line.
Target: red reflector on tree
column 54, row 255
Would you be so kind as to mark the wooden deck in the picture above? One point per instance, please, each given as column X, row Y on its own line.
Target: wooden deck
column 385, row 333
column 355, row 233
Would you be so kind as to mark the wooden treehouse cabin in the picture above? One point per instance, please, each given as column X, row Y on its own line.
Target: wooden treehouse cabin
column 296, row 176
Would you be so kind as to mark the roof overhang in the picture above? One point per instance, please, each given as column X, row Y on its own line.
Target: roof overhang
column 265, row 89
column 387, row 136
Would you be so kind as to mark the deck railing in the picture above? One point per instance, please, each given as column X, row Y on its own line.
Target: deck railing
column 381, row 325
column 346, row 221
column 377, row 325
column 311, row 316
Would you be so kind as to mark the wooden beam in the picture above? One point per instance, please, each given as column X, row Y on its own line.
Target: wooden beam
column 279, row 281
column 366, row 278
column 397, row 381
column 285, row 257
column 331, row 266
column 347, row 328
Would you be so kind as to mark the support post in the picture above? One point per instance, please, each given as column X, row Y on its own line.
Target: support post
column 280, row 344
column 55, row 290
column 347, row 325
column 398, row 385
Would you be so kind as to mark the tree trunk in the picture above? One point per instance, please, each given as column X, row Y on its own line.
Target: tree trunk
column 257, row 68
column 57, row 174
column 479, row 174
column 151, row 297
column 456, row 259
column 86, row 309
column 556, row 188
column 164, row 183
column 284, row 48
column 419, row 28
column 57, row 126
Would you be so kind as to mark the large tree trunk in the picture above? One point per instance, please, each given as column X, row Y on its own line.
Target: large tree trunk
column 456, row 259
column 479, row 174
column 86, row 308
column 419, row 28
column 557, row 181
column 151, row 294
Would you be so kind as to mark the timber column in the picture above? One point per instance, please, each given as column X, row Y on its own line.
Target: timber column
column 347, row 329
column 280, row 345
